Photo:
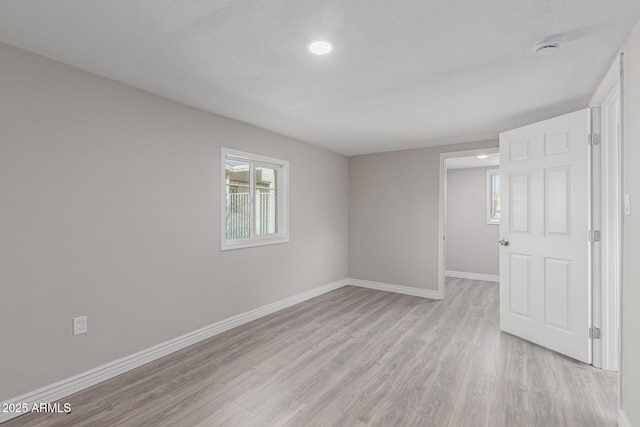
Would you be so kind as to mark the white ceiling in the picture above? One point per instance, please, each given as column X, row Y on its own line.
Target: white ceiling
column 404, row 74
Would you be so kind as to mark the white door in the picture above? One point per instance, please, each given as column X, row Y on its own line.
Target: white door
column 544, row 259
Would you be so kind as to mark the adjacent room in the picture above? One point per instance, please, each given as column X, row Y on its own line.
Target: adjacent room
column 319, row 213
column 472, row 216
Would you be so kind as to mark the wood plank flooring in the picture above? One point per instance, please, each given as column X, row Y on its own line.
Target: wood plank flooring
column 356, row 357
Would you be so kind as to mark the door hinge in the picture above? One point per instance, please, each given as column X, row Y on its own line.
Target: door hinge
column 594, row 333
column 594, row 139
column 594, row 236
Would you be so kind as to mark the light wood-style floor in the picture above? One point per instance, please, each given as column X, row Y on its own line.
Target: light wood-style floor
column 357, row 357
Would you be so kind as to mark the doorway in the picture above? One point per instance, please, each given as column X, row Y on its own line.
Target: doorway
column 465, row 231
column 603, row 301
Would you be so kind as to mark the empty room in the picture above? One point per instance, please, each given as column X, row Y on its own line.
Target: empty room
column 313, row 213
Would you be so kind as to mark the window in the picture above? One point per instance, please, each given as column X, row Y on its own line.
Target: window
column 254, row 200
column 493, row 196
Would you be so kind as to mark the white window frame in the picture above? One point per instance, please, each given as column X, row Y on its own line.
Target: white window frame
column 282, row 200
column 488, row 198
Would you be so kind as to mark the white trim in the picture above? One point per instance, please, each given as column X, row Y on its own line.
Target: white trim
column 84, row 380
column 623, row 420
column 442, row 226
column 610, row 80
column 596, row 247
column 442, row 203
column 472, row 276
column 406, row 290
column 607, row 217
column 621, row 323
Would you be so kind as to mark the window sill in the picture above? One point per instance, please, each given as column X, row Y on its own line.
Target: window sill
column 239, row 244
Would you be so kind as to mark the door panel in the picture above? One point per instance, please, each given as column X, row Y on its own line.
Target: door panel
column 544, row 270
column 557, row 201
column 520, row 285
column 519, row 202
column 557, row 293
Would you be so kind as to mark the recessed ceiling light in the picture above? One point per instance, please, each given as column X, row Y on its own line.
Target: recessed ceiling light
column 482, row 156
column 546, row 47
column 320, row 47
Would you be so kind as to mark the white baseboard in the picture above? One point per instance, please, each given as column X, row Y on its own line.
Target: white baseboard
column 69, row 386
column 406, row 290
column 472, row 276
column 623, row 420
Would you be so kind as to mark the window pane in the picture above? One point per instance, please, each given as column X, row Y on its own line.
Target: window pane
column 255, row 206
column 266, row 212
column 495, row 197
column 238, row 202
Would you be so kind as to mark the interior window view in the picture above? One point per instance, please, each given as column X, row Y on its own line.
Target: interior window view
column 252, row 200
column 238, row 202
column 238, row 209
column 493, row 196
column 324, row 214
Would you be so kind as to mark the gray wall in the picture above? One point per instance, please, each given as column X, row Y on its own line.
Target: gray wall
column 472, row 244
column 110, row 207
column 630, row 375
column 393, row 215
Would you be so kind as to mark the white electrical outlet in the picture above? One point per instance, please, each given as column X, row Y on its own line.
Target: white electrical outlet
column 80, row 325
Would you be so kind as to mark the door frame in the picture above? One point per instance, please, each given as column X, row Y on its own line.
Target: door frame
column 607, row 215
column 442, row 202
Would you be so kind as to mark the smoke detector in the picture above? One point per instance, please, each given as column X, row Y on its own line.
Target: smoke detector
column 545, row 47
